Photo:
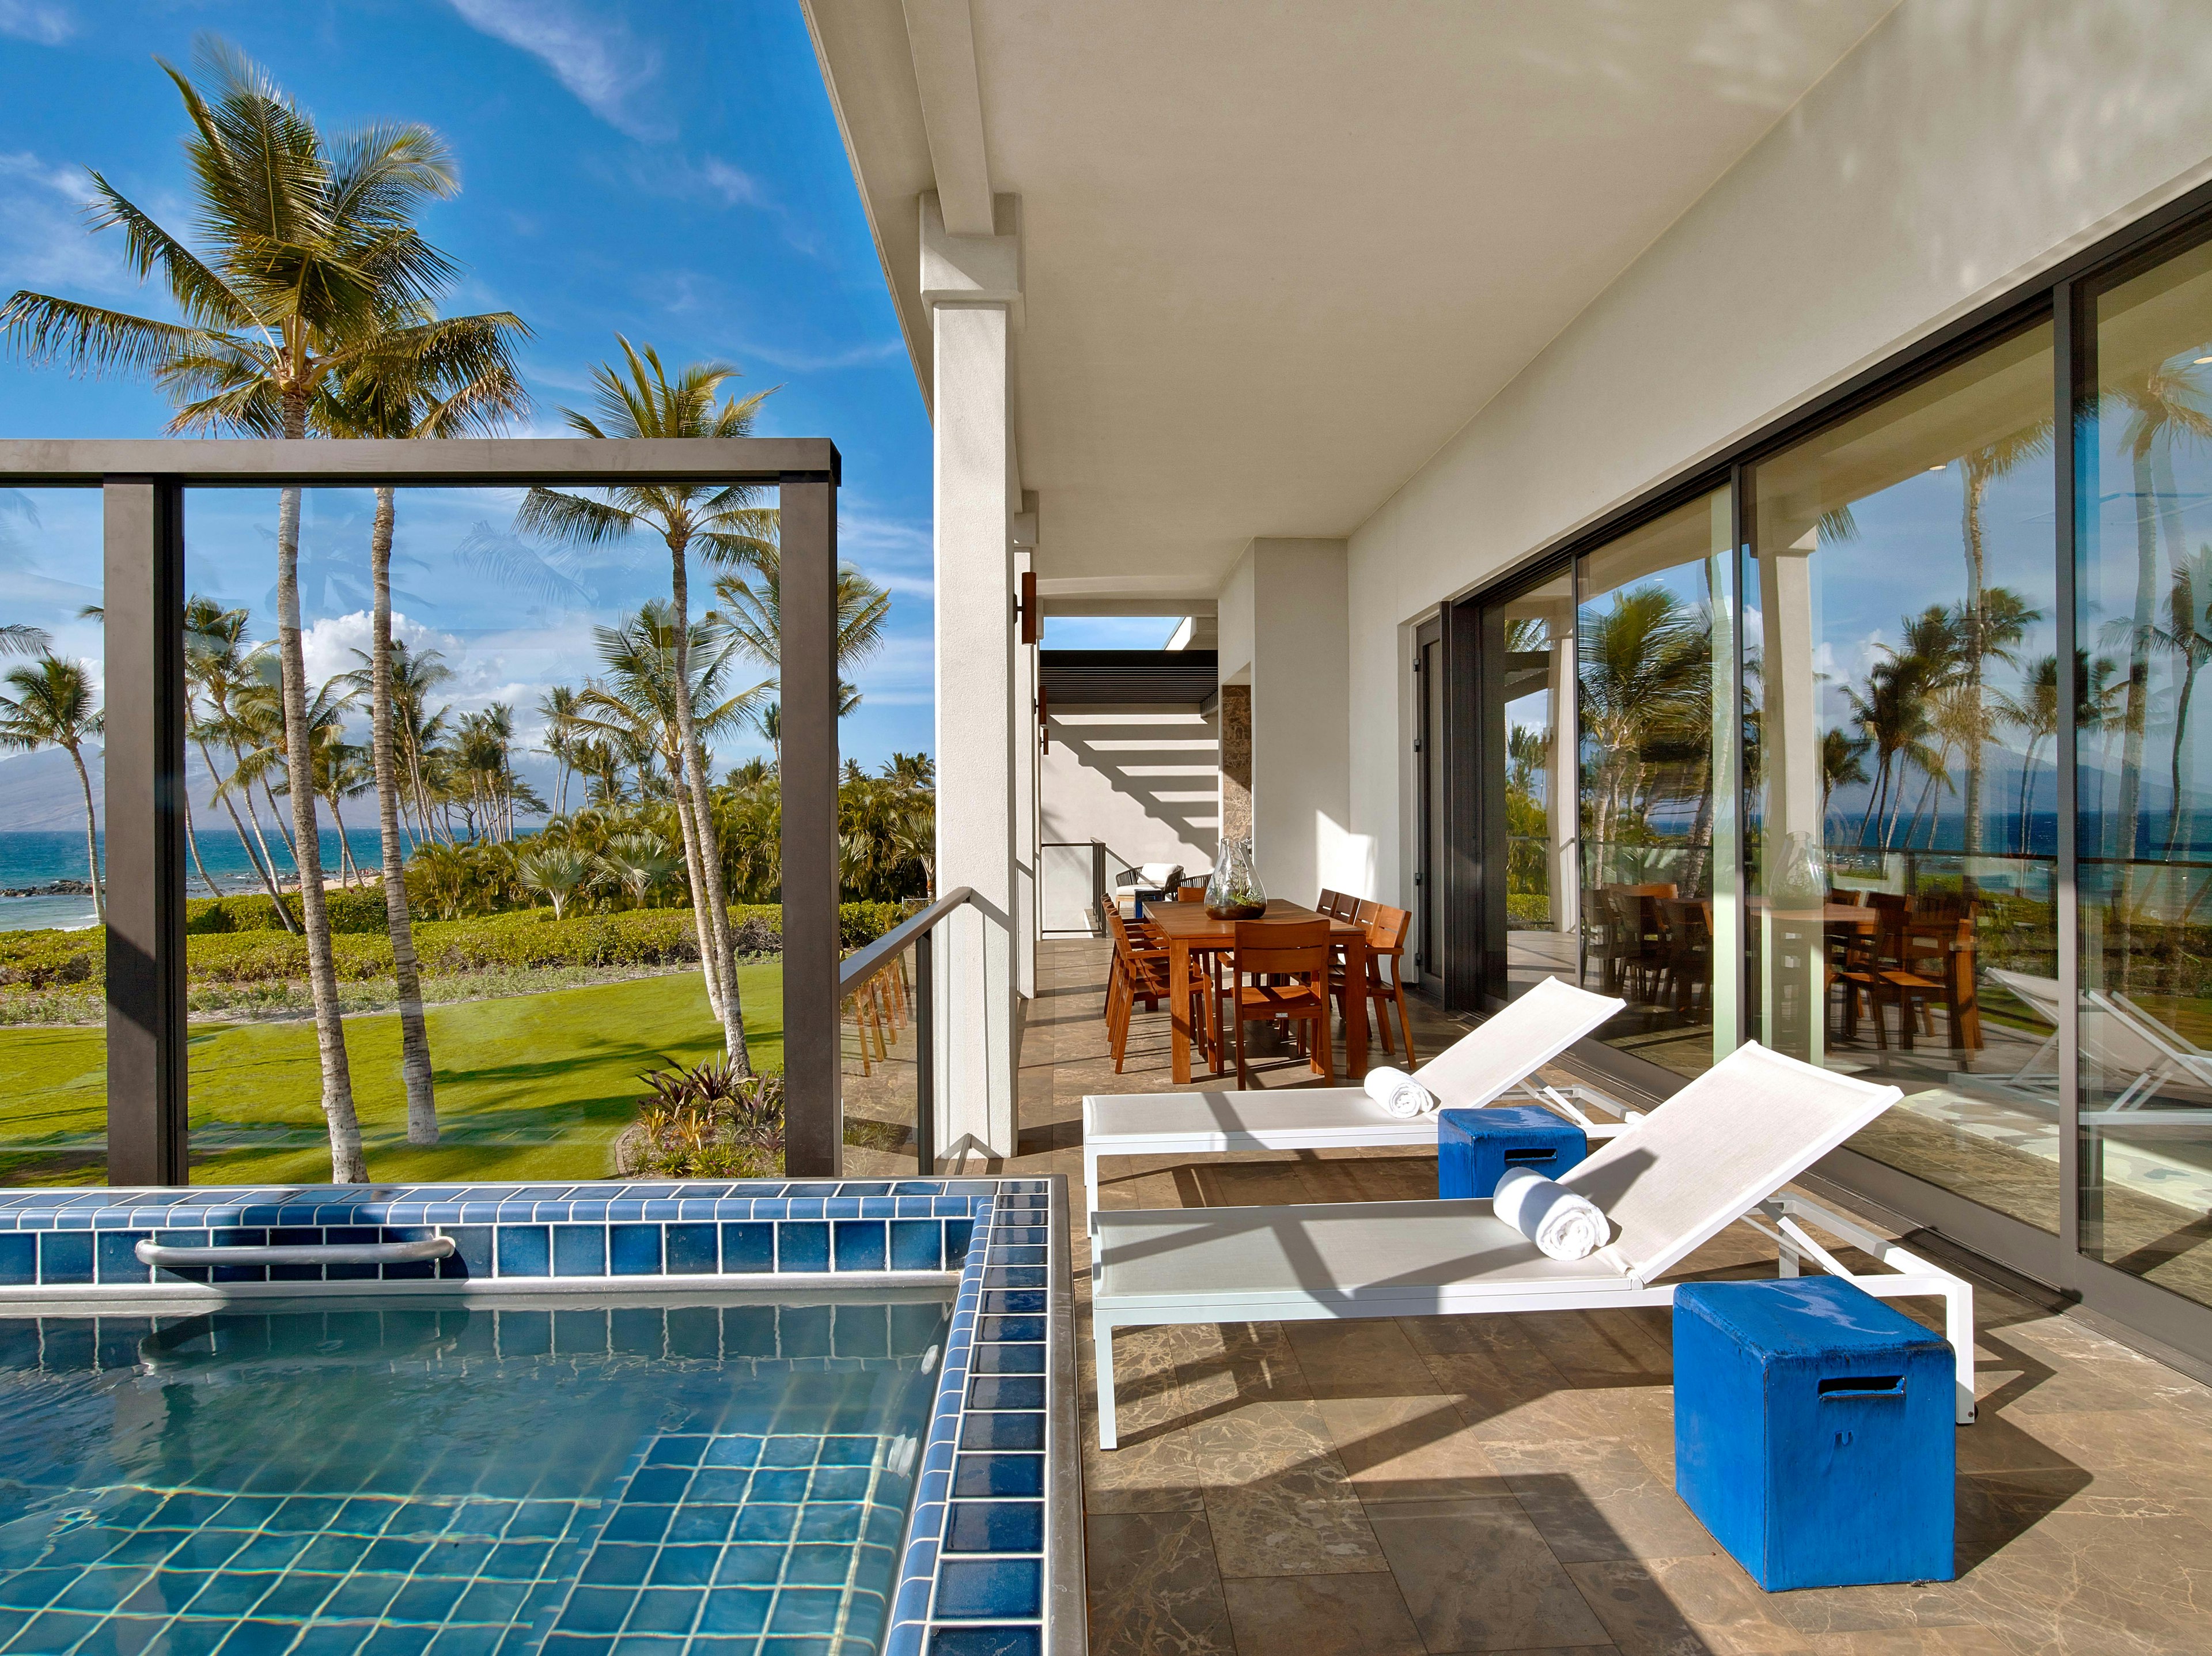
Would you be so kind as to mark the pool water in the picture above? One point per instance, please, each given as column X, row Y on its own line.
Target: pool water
column 579, row 1479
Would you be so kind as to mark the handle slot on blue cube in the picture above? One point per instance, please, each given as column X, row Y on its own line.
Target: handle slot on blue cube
column 1845, row 1387
column 1529, row 1158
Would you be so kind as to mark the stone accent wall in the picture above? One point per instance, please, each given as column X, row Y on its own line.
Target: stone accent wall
column 1236, row 762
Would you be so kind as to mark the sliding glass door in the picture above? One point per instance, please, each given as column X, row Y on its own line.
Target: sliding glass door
column 2143, row 643
column 1893, row 751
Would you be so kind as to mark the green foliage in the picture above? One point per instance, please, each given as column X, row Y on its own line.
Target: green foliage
column 359, row 910
column 39, row 960
column 705, row 1122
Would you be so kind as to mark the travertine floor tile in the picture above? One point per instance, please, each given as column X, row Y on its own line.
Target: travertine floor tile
column 1477, row 1576
column 1324, row 1616
column 1154, row 1591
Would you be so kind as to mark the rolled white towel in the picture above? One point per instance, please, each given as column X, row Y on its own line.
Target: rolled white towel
column 1399, row 1094
column 1563, row 1224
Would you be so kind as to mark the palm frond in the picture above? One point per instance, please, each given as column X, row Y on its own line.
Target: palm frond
column 91, row 338
column 571, row 519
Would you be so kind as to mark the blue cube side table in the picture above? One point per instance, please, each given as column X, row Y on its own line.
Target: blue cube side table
column 1475, row 1146
column 1813, row 1435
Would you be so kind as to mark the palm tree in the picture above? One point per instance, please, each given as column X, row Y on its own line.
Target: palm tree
column 463, row 382
column 754, row 611
column 1986, row 628
column 1644, row 681
column 53, row 708
column 638, row 862
column 2163, row 405
column 2188, row 634
column 555, row 870
column 636, row 707
column 308, row 250
column 20, row 638
column 218, row 667
column 557, row 706
column 729, row 526
column 1842, row 761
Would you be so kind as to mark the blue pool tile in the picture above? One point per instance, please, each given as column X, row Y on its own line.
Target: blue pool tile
column 994, row 1329
column 996, row 1526
column 1016, row 1431
column 472, row 1255
column 619, row 1564
column 65, row 1256
column 735, row 1610
column 18, row 1258
column 860, row 1244
column 748, row 1248
column 1008, row 1392
column 580, row 1250
column 661, row 1212
column 986, row 1642
column 691, row 1250
column 980, row 1589
column 999, row 1474
column 667, row 1610
column 801, row 1246
column 115, row 1260
column 958, row 1232
column 805, row 1610
column 635, row 1250
column 917, row 1245
column 525, row 1250
column 597, row 1609
column 1006, row 1301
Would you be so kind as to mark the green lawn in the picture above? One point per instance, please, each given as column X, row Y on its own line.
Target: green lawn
column 534, row 1086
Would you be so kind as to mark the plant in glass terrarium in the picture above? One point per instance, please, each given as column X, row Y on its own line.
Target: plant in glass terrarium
column 1234, row 892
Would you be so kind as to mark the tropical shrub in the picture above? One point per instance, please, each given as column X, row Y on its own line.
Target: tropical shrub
column 705, row 1122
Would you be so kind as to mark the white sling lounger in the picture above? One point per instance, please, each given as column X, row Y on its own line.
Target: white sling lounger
column 2121, row 1038
column 1494, row 1059
column 1719, row 1151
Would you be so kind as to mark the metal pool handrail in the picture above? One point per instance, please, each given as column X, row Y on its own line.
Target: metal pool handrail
column 917, row 931
column 150, row 1252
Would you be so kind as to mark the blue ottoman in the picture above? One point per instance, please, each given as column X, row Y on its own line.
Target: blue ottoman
column 1814, row 1432
column 1475, row 1146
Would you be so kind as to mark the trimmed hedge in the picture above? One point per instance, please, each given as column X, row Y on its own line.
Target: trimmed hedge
column 639, row 937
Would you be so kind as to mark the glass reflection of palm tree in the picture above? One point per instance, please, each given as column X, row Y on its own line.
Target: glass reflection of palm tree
column 1894, row 712
column 1646, row 695
column 1843, row 762
column 1990, row 627
column 2163, row 404
column 2187, row 634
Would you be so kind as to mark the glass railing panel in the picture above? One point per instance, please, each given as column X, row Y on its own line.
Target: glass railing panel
column 879, row 1044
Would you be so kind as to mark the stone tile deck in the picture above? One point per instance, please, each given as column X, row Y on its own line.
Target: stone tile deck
column 1505, row 1484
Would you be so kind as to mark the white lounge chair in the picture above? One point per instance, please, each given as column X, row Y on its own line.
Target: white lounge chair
column 2119, row 1038
column 1495, row 1059
column 1718, row 1152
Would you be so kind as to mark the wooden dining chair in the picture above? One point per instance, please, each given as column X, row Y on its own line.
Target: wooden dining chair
column 1278, row 973
column 1139, row 973
column 1326, row 903
column 1386, row 929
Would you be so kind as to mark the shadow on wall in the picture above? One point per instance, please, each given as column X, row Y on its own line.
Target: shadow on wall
column 1145, row 781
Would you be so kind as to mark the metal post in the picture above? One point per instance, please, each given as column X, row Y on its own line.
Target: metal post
column 2071, row 346
column 144, row 775
column 924, row 1052
column 814, row 1111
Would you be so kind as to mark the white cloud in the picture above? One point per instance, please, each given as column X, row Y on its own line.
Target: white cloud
column 29, row 20
column 45, row 244
column 800, row 361
column 597, row 58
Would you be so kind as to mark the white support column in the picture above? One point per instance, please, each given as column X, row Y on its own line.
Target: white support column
column 972, row 285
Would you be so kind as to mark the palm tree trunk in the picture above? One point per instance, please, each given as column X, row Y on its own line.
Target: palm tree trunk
column 192, row 839
column 694, row 772
column 262, row 871
column 276, row 811
column 709, row 958
column 415, row 1068
column 2132, row 722
column 91, row 837
column 348, row 1165
column 1976, row 492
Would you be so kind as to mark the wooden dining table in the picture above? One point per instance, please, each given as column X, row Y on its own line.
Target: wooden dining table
column 1192, row 933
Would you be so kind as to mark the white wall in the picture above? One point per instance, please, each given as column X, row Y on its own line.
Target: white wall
column 1142, row 779
column 1959, row 149
column 1282, row 619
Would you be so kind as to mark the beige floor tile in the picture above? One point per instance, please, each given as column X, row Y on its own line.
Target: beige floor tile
column 1408, row 1449
column 1597, row 1498
column 1323, row 1616
column 1685, row 1605
column 1370, row 1358
column 1478, row 1577
column 1304, row 1521
column 1153, row 1588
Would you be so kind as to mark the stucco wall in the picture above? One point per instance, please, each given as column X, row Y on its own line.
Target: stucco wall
column 1959, row 149
column 1142, row 779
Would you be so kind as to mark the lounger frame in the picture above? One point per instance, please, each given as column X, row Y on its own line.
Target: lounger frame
column 1790, row 1220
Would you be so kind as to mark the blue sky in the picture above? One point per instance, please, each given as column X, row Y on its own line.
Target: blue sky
column 669, row 171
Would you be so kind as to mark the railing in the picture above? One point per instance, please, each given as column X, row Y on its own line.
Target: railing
column 1070, row 887
column 883, row 1001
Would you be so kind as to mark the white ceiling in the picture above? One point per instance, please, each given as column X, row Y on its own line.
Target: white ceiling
column 1276, row 254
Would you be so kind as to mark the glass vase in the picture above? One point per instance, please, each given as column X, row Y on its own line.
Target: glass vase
column 1234, row 892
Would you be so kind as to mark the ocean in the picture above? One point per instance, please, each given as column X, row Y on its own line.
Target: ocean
column 36, row 859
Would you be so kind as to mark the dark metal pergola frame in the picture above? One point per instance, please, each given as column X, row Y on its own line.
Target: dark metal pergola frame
column 143, row 485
